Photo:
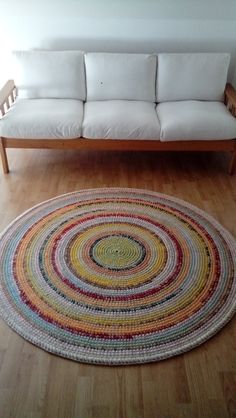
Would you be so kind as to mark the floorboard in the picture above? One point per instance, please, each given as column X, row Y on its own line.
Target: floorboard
column 198, row 384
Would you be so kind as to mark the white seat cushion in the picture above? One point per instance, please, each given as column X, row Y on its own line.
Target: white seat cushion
column 192, row 76
column 118, row 119
column 43, row 119
column 120, row 76
column 189, row 120
column 49, row 74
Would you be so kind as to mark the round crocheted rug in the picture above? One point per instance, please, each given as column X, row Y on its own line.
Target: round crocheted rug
column 117, row 276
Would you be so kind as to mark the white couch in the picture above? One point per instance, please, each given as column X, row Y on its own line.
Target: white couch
column 71, row 99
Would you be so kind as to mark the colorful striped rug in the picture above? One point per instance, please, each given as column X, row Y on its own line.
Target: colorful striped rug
column 117, row 276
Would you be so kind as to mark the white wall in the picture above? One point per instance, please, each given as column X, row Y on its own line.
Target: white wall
column 118, row 25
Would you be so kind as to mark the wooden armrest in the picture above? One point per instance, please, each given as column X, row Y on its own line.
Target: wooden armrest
column 230, row 98
column 7, row 92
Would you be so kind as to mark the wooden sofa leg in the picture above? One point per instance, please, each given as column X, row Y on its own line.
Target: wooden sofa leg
column 232, row 164
column 3, row 153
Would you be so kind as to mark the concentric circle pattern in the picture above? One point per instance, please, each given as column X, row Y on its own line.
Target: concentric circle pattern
column 117, row 276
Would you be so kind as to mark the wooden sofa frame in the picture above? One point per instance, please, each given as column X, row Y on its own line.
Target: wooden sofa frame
column 8, row 95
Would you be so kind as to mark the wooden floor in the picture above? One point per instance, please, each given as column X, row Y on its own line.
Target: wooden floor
column 198, row 384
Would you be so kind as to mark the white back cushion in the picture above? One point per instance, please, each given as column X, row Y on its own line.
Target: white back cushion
column 199, row 76
column 49, row 74
column 120, row 76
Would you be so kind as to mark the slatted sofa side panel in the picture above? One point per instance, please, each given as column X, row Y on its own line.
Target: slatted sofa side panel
column 7, row 97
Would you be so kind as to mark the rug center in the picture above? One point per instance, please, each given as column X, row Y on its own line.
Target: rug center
column 117, row 252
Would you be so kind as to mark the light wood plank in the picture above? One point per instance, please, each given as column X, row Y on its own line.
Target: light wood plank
column 230, row 94
column 6, row 91
column 5, row 165
column 120, row 144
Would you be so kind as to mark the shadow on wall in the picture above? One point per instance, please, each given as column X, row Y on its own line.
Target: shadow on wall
column 148, row 46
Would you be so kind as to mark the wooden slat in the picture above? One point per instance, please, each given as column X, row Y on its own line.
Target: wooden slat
column 121, row 145
column 6, row 91
column 8, row 102
column 230, row 94
column 2, row 110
